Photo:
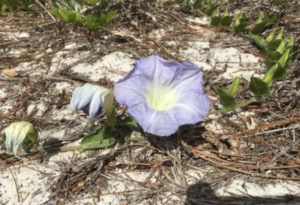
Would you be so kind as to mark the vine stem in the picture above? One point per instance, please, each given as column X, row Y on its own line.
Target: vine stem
column 252, row 100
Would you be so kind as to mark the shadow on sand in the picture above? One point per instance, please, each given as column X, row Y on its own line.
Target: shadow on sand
column 201, row 193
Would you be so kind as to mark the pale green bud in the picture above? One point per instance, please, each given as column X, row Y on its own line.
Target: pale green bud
column 280, row 34
column 291, row 42
column 281, row 47
column 260, row 18
column 269, row 75
column 234, row 86
column 271, row 36
column 19, row 137
column 284, row 58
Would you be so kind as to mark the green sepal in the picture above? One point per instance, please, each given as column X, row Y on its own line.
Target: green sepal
column 259, row 87
column 3, row 137
column 234, row 86
column 227, row 100
column 30, row 141
column 111, row 118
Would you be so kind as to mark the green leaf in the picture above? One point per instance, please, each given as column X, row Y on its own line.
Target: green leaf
column 226, row 20
column 54, row 12
column 129, row 121
column 186, row 2
column 226, row 99
column 272, row 59
column 270, row 20
column 274, row 55
column 26, row 4
column 269, row 62
column 280, row 73
column 258, row 28
column 281, row 1
column 198, row 4
column 103, row 138
column 210, row 8
column 64, row 15
column 110, row 16
column 11, row 5
column 234, row 86
column 215, row 21
column 240, row 23
column 98, row 136
column 91, row 2
column 260, row 41
column 273, row 45
column 259, row 87
column 78, row 20
column 91, row 23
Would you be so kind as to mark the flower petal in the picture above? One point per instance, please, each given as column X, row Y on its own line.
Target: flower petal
column 191, row 108
column 131, row 90
column 15, row 135
column 82, row 96
column 161, row 123
column 97, row 102
column 163, row 95
column 90, row 99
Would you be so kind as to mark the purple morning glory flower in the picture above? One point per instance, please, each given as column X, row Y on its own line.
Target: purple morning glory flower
column 91, row 99
column 163, row 95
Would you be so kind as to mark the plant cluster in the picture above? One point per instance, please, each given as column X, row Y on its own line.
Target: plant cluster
column 160, row 95
column 79, row 12
column 280, row 51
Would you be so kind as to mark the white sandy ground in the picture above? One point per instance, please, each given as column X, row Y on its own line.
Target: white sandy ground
column 32, row 177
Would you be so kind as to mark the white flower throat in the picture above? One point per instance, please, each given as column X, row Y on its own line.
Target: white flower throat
column 161, row 97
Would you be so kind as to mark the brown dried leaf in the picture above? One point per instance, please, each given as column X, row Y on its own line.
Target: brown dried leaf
column 10, row 72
